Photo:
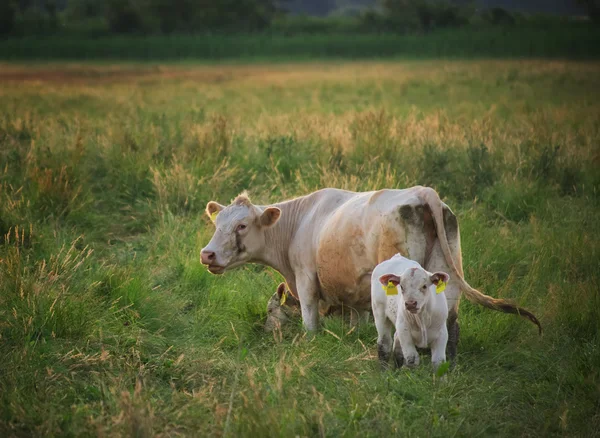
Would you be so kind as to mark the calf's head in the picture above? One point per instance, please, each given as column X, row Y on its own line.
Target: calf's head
column 416, row 286
column 239, row 234
column 281, row 309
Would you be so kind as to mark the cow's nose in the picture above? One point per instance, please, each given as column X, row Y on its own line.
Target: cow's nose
column 410, row 304
column 207, row 257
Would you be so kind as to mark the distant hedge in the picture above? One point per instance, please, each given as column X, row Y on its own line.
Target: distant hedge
column 574, row 42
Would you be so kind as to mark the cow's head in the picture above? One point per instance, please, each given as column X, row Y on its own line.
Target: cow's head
column 416, row 285
column 239, row 234
column 281, row 309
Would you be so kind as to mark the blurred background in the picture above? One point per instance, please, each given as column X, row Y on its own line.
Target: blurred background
column 296, row 28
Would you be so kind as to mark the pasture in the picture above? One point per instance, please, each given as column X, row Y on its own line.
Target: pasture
column 110, row 326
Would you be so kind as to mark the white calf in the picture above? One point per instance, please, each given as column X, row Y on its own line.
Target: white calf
column 419, row 311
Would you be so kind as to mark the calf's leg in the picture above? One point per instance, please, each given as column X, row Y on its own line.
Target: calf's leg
column 438, row 348
column 398, row 357
column 409, row 351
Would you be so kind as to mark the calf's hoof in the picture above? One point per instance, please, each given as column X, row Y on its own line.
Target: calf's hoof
column 398, row 359
column 411, row 361
column 384, row 357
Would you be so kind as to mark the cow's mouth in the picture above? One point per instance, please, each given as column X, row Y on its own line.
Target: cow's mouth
column 216, row 269
column 413, row 310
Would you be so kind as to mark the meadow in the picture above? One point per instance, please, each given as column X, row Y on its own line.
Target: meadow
column 110, row 326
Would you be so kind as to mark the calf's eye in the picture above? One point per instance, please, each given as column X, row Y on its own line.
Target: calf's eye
column 241, row 227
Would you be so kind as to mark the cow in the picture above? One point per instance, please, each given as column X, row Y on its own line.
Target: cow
column 327, row 243
column 411, row 299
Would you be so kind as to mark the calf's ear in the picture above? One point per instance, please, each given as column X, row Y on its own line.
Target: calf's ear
column 270, row 216
column 280, row 290
column 389, row 278
column 285, row 296
column 439, row 276
column 212, row 210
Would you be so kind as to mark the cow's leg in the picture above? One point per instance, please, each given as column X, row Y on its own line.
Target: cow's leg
column 308, row 293
column 453, row 334
column 438, row 348
column 398, row 357
column 354, row 316
column 364, row 317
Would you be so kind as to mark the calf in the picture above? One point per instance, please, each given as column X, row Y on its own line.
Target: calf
column 282, row 308
column 412, row 299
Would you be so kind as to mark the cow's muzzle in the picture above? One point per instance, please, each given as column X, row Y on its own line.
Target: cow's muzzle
column 209, row 258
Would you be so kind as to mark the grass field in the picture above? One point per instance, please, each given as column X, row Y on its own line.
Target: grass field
column 110, row 326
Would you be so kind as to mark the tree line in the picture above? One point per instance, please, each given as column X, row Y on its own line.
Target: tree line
column 27, row 17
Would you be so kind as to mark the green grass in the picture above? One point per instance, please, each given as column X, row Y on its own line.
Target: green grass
column 569, row 40
column 109, row 324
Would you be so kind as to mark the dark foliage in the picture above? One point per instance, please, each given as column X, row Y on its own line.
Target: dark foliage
column 425, row 14
column 189, row 16
column 592, row 8
column 7, row 17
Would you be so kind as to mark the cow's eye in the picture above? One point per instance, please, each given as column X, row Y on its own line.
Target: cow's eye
column 424, row 287
column 241, row 227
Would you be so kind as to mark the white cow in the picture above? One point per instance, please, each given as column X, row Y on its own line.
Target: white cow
column 326, row 245
column 406, row 296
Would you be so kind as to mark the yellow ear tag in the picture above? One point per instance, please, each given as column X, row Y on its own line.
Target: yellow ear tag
column 213, row 217
column 390, row 289
column 283, row 298
column 441, row 287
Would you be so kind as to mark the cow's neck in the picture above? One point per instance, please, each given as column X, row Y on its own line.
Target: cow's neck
column 278, row 239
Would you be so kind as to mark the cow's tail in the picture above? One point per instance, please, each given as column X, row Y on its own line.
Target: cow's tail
column 432, row 199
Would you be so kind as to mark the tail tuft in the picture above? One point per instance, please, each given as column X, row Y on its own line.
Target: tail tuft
column 503, row 306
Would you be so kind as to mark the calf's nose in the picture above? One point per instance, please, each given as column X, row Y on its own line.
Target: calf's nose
column 207, row 257
column 410, row 304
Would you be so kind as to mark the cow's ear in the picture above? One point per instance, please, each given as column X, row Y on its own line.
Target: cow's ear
column 439, row 276
column 212, row 210
column 389, row 278
column 270, row 216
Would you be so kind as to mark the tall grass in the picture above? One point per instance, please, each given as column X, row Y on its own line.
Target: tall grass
column 573, row 41
column 109, row 325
